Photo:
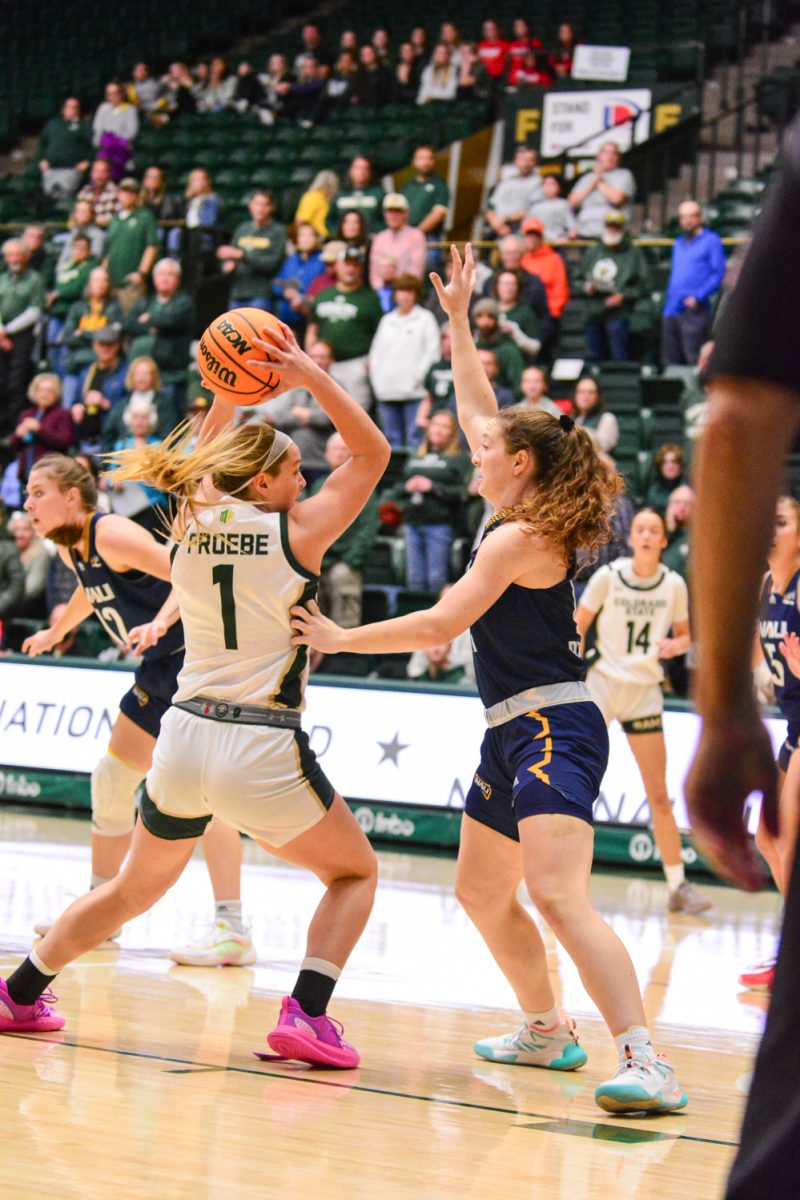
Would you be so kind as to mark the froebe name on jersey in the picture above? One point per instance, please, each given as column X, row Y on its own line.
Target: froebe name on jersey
column 227, row 543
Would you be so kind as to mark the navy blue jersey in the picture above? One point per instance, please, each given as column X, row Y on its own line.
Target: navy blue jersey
column 123, row 599
column 526, row 639
column 779, row 616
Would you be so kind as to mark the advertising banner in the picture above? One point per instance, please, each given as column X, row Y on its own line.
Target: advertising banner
column 578, row 123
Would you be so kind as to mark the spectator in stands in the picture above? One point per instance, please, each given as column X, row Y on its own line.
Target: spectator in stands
column 81, row 223
column 329, row 254
column 314, row 204
column 155, row 198
column 668, row 474
column 554, row 212
column 249, row 95
column 439, row 666
column 178, row 90
column 542, row 260
column 517, row 320
column 678, row 520
column 533, row 386
column 532, row 71
column 297, row 413
column 341, row 578
column 696, row 273
column 43, row 428
column 562, row 55
column 347, row 316
column 380, row 43
column 427, row 194
column 340, row 90
column 348, row 42
column 65, row 151
column 277, row 83
column 489, row 336
column 302, row 101
column 419, row 40
column 374, row 82
column 35, row 560
column 607, row 186
column 473, row 80
column 114, row 129
column 510, row 251
column 431, row 492
column 86, row 317
column 255, row 254
column 101, row 192
column 407, row 75
column 101, row 386
column 22, row 303
column 405, row 347
column 70, row 285
column 589, row 410
column 143, row 90
column 219, row 89
column 142, row 386
column 514, row 194
column 141, row 503
column 439, row 386
column 493, row 51
column 527, row 61
column 450, row 36
column 506, row 397
column 615, row 276
column 197, row 242
column 388, row 272
column 399, row 240
column 359, row 193
column 352, row 231
column 12, row 575
column 459, row 655
column 33, row 239
column 313, row 49
column 131, row 246
column 439, row 79
column 298, row 270
column 161, row 326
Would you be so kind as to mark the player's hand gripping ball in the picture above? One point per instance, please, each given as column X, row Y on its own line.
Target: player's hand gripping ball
column 225, row 349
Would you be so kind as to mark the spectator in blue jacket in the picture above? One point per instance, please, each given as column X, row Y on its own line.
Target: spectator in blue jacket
column 297, row 272
column 698, row 267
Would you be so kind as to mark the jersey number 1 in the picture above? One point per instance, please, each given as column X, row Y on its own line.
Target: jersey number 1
column 222, row 574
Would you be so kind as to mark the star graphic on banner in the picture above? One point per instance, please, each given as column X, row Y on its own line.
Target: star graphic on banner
column 391, row 750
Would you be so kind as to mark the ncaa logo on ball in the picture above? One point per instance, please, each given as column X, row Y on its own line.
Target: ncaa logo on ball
column 231, row 334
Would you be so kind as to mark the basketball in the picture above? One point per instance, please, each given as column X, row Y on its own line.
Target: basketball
column 225, row 350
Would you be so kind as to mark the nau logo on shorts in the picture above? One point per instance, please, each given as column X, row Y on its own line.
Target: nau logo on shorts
column 484, row 787
column 226, row 516
column 141, row 696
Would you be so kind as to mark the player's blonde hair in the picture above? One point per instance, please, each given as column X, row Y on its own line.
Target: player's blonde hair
column 574, row 501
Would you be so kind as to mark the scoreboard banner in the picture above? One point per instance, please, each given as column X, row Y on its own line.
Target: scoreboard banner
column 396, row 747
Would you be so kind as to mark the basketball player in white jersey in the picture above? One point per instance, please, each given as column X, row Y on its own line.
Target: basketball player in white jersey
column 641, row 612
column 231, row 746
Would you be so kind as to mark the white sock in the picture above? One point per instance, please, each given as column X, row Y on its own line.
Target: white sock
column 98, row 879
column 542, row 1020
column 230, row 911
column 675, row 876
column 638, row 1038
column 40, row 964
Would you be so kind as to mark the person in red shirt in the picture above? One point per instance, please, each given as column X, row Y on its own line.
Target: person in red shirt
column 523, row 50
column 561, row 58
column 531, row 70
column 493, row 51
column 542, row 260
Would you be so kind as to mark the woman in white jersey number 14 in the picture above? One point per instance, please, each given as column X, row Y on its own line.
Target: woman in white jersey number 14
column 636, row 604
column 246, row 551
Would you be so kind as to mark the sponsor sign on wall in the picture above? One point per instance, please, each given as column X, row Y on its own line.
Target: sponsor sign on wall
column 578, row 123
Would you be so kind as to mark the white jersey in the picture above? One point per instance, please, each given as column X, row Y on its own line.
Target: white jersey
column 236, row 579
column 633, row 616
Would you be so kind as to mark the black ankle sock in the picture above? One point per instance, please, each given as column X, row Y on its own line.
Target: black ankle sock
column 27, row 983
column 313, row 991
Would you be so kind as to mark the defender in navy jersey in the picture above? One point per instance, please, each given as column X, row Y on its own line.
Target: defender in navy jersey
column 529, row 810
column 123, row 575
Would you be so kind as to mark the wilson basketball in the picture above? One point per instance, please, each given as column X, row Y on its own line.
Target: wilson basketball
column 227, row 347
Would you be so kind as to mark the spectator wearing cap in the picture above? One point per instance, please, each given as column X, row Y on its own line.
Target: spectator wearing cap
column 161, row 327
column 114, row 129
column 554, row 212
column 22, row 302
column 101, row 386
column 359, row 193
column 346, row 316
column 44, row 428
column 101, row 192
column 439, row 78
column 614, row 275
column 405, row 347
column 513, row 196
column 329, row 255
column 254, row 255
column 489, row 336
column 131, row 246
column 399, row 240
column 96, row 309
column 607, row 186
column 696, row 273
column 65, row 150
column 542, row 260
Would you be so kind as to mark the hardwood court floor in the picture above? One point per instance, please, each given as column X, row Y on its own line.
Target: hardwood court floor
column 152, row 1089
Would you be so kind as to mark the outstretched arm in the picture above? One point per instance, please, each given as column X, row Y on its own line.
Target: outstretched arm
column 77, row 610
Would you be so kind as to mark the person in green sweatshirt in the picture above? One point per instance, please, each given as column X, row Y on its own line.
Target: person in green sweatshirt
column 614, row 274
column 255, row 254
column 131, row 246
column 70, row 283
column 161, row 326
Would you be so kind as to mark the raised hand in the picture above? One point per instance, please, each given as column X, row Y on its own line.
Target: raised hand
column 287, row 359
column 454, row 296
column 142, row 637
column 39, row 643
column 790, row 649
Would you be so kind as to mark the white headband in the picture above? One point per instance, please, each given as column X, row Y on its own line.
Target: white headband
column 280, row 445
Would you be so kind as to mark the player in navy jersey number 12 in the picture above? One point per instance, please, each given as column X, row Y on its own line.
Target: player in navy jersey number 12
column 529, row 811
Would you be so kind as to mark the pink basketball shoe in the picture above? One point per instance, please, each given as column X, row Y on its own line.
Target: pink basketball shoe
column 28, row 1018
column 314, row 1040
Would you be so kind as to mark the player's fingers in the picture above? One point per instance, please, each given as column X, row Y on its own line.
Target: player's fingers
column 313, row 608
column 455, row 258
column 437, row 283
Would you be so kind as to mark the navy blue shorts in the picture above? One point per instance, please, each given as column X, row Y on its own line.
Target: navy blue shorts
column 551, row 761
column 790, row 745
column 155, row 683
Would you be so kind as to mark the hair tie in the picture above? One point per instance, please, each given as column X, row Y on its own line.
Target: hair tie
column 566, row 423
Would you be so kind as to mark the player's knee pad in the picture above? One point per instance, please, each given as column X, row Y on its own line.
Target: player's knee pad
column 114, row 786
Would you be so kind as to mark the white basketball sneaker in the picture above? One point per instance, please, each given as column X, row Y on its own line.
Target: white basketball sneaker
column 221, row 946
column 641, row 1086
column 556, row 1049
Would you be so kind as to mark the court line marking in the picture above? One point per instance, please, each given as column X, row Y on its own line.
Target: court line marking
column 190, row 1066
